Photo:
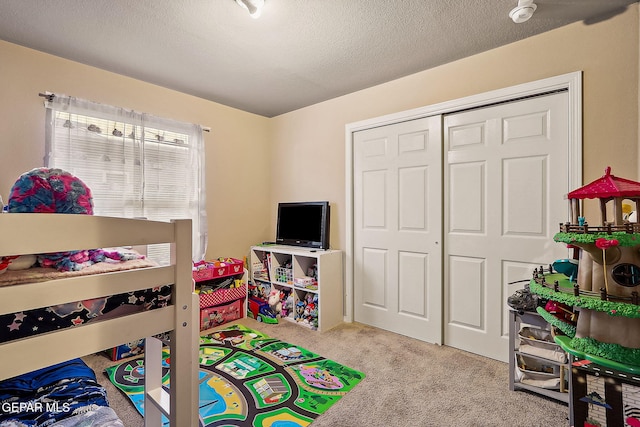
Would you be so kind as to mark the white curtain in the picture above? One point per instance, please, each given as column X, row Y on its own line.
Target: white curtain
column 136, row 165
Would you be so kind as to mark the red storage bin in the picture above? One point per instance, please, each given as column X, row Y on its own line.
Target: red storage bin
column 207, row 270
column 213, row 316
column 222, row 296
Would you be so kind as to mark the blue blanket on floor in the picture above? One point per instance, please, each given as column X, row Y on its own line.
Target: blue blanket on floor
column 51, row 394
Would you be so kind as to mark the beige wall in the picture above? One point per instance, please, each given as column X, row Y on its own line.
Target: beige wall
column 309, row 144
column 236, row 148
column 254, row 162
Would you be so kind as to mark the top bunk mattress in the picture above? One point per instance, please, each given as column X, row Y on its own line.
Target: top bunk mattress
column 42, row 274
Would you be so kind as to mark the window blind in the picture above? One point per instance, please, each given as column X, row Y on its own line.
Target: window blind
column 136, row 165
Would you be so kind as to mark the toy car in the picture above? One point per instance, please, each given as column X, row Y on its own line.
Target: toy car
column 259, row 309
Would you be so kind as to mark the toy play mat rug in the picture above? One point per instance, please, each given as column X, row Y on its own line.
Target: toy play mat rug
column 250, row 379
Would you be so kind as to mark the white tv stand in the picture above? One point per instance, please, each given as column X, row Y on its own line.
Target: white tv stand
column 282, row 266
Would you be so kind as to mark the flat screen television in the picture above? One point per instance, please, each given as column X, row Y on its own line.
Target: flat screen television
column 303, row 224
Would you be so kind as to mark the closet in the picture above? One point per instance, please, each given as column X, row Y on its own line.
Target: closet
column 452, row 208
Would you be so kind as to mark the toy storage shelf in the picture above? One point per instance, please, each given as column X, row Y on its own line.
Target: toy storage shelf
column 561, row 370
column 226, row 299
column 292, row 269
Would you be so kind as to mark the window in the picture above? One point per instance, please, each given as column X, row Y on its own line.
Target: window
column 135, row 164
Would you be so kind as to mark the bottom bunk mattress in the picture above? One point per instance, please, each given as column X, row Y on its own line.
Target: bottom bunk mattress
column 64, row 395
column 31, row 322
column 47, row 319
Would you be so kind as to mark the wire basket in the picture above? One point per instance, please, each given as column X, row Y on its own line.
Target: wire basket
column 284, row 275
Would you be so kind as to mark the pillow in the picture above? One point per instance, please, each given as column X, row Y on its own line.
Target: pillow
column 53, row 190
column 22, row 262
column 50, row 190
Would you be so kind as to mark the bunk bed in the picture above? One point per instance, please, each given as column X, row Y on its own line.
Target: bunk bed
column 35, row 233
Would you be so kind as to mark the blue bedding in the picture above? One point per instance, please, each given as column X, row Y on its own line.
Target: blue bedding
column 40, row 320
column 43, row 397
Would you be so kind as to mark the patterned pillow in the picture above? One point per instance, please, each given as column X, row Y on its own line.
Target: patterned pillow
column 50, row 190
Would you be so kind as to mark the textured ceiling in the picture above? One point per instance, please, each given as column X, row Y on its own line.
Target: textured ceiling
column 298, row 53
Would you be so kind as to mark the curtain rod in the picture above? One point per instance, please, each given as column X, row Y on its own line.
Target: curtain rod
column 50, row 97
column 47, row 95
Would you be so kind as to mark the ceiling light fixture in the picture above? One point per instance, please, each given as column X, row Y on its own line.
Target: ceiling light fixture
column 253, row 6
column 523, row 11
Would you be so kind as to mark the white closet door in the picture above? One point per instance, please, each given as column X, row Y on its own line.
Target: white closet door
column 506, row 174
column 398, row 228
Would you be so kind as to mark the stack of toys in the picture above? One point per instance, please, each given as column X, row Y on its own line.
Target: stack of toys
column 307, row 310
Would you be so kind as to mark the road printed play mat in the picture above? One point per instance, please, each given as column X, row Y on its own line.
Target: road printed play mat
column 250, row 379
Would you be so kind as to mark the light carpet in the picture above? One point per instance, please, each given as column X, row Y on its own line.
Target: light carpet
column 408, row 382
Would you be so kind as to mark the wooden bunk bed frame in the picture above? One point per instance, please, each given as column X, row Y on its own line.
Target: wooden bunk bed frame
column 33, row 233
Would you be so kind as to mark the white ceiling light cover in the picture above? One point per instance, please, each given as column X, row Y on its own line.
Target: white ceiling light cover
column 523, row 12
column 253, row 6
